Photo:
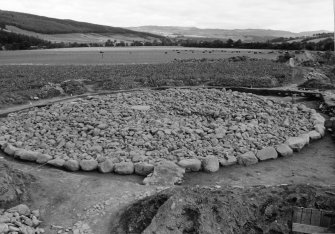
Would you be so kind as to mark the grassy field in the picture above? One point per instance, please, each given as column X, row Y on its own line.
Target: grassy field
column 126, row 55
column 19, row 82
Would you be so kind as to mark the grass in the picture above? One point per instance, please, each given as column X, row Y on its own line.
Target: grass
column 21, row 82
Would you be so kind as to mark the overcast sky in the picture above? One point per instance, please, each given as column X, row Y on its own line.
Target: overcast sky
column 292, row 15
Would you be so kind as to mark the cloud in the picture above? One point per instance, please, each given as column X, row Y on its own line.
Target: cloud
column 293, row 15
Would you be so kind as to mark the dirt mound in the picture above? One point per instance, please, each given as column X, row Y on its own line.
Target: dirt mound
column 12, row 186
column 229, row 210
column 316, row 84
column 73, row 87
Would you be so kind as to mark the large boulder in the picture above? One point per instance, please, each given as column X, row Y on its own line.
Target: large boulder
column 166, row 173
column 72, row 165
column 284, row 150
column 320, row 128
column 267, row 153
column 10, row 149
column 228, row 160
column 43, row 158
column 247, row 159
column 314, row 135
column 143, row 168
column 88, row 165
column 210, row 164
column 57, row 162
column 296, row 143
column 190, row 164
column 124, row 168
column 22, row 209
column 27, row 155
column 106, row 166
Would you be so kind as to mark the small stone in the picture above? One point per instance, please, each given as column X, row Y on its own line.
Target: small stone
column 4, row 228
column 296, row 143
column 314, row 135
column 88, row 165
column 43, row 158
column 124, row 168
column 143, row 168
column 190, row 164
column 57, row 162
column 22, row 209
column 106, row 166
column 210, row 164
column 71, row 165
column 284, row 150
column 3, row 144
column 141, row 108
column 267, row 153
column 247, row 159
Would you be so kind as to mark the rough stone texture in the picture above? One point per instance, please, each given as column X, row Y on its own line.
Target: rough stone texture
column 284, row 150
column 21, row 209
column 247, row 159
column 190, row 164
column 165, row 174
column 306, row 137
column 141, row 108
column 228, row 161
column 88, row 165
column 320, row 128
column 143, row 169
column 106, row 167
column 57, row 162
column 296, row 143
column 72, row 165
column 3, row 144
column 124, row 168
column 318, row 119
column 27, row 155
column 10, row 150
column 267, row 153
column 314, row 135
column 210, row 164
column 43, row 158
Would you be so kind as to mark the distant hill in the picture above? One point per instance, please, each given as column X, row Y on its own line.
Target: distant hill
column 46, row 28
column 246, row 35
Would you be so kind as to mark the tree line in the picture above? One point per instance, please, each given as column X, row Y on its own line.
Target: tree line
column 322, row 45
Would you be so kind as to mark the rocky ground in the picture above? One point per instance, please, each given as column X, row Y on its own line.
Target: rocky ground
column 148, row 127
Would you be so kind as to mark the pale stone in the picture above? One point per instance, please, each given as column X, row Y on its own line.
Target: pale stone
column 228, row 161
column 26, row 155
column 296, row 143
column 284, row 150
column 314, row 135
column 21, row 209
column 71, row 165
column 88, row 165
column 247, row 159
column 267, row 153
column 57, row 162
column 306, row 137
column 124, row 168
column 141, row 108
column 210, row 164
column 166, row 173
column 143, row 169
column 10, row 149
column 320, row 128
column 190, row 164
column 106, row 166
column 3, row 144
column 43, row 158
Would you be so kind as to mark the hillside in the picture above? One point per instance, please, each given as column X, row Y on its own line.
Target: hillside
column 44, row 26
column 246, row 35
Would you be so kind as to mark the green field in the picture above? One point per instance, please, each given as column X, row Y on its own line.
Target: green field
column 126, row 55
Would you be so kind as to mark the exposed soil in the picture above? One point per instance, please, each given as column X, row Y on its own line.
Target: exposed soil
column 229, row 210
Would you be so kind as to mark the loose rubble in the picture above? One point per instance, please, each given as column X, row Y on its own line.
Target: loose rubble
column 134, row 132
column 20, row 219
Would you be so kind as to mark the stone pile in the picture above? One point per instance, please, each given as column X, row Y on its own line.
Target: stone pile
column 197, row 129
column 20, row 220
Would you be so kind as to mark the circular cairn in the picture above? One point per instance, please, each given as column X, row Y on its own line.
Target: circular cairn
column 150, row 126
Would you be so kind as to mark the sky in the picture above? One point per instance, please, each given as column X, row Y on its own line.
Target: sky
column 290, row 15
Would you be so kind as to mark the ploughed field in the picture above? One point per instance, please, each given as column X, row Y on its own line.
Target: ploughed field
column 145, row 128
column 18, row 84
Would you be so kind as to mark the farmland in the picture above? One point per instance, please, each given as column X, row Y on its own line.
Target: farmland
column 19, row 83
column 126, row 55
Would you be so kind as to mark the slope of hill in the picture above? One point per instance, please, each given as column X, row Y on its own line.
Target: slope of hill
column 243, row 34
column 44, row 27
